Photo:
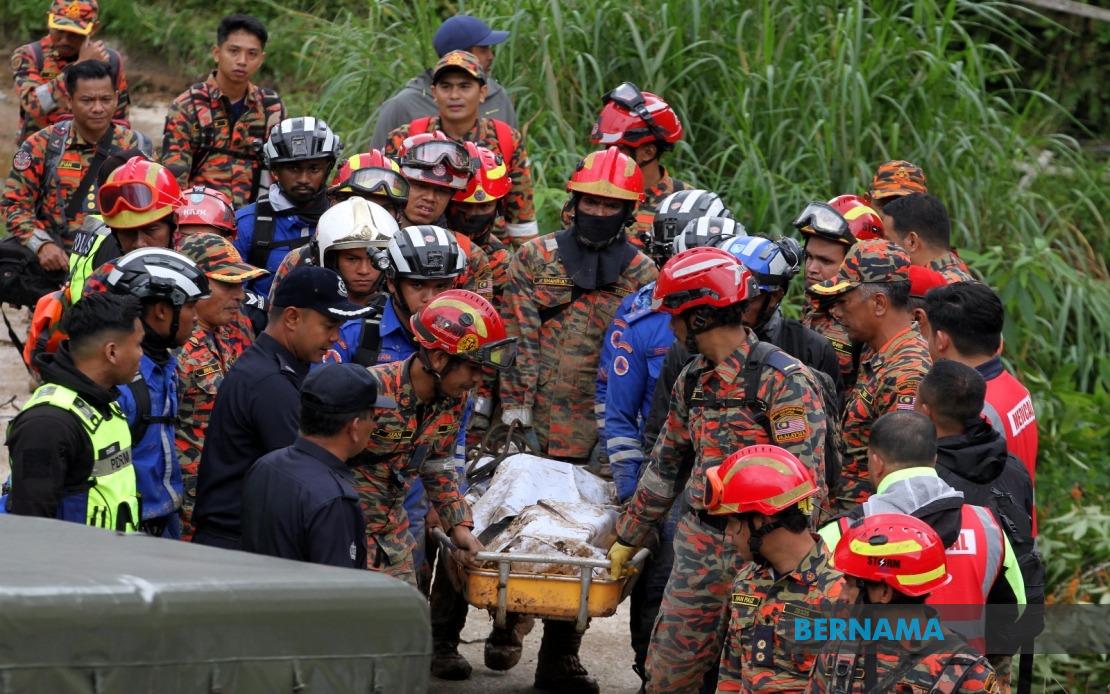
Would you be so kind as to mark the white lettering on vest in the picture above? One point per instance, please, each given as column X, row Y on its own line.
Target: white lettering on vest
column 1021, row 416
column 964, row 544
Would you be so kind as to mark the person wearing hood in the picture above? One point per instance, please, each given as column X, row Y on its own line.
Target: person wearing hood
column 56, row 454
column 414, row 100
column 564, row 289
column 901, row 458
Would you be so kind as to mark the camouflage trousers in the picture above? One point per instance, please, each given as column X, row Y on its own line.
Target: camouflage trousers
column 689, row 631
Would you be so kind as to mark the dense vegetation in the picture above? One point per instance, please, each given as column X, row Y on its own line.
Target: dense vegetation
column 786, row 101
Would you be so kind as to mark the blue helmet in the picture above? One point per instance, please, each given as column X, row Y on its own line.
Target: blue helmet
column 772, row 263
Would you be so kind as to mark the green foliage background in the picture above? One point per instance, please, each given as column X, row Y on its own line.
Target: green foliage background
column 786, row 101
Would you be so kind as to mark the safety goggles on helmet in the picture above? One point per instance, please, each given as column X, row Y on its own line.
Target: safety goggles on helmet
column 500, row 355
column 713, row 496
column 375, row 181
column 823, row 220
column 136, row 196
column 630, row 97
column 440, row 152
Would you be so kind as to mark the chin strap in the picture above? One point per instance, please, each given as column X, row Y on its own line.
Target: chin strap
column 755, row 539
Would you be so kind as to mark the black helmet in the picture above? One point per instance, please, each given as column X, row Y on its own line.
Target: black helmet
column 706, row 231
column 301, row 139
column 425, row 252
column 675, row 212
column 158, row 273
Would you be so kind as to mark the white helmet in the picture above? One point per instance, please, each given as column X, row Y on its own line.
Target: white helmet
column 353, row 223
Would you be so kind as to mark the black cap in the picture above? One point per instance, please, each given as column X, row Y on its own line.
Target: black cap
column 340, row 389
column 319, row 289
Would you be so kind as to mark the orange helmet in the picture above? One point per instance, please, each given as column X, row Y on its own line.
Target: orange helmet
column 370, row 173
column 437, row 160
column 608, row 174
column 892, row 548
column 491, row 182
column 631, row 117
column 759, row 479
column 467, row 326
column 208, row 207
column 863, row 221
column 137, row 193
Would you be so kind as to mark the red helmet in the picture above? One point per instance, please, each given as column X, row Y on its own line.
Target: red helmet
column 137, row 193
column 892, row 548
column 761, row 479
column 464, row 325
column 863, row 221
column 608, row 174
column 492, row 180
column 208, row 207
column 631, row 117
column 370, row 173
column 704, row 276
column 437, row 160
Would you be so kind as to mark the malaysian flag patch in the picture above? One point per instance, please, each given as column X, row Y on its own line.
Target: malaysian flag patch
column 789, row 424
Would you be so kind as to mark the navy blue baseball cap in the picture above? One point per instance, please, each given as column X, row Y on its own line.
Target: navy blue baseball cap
column 319, row 289
column 341, row 389
column 462, row 31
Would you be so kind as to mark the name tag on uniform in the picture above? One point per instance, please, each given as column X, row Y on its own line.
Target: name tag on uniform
column 795, row 610
column 393, row 434
column 745, row 599
column 208, row 370
column 554, row 281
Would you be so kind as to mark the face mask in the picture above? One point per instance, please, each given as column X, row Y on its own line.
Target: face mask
column 475, row 226
column 598, row 231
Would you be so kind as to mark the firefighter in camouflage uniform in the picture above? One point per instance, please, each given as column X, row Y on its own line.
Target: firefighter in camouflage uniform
column 870, row 298
column 737, row 392
column 220, row 336
column 898, row 560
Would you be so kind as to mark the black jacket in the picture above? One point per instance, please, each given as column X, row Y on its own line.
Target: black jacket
column 977, row 461
column 51, row 455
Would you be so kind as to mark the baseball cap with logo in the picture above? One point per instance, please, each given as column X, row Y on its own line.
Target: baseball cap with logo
column 877, row 261
column 218, row 259
column 459, row 60
column 319, row 289
column 74, row 16
column 463, row 31
column 342, row 389
column 897, row 178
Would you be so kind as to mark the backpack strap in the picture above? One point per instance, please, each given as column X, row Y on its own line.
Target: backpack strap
column 56, row 143
column 263, row 240
column 505, row 140
column 761, row 355
column 419, row 126
column 370, row 340
column 141, row 392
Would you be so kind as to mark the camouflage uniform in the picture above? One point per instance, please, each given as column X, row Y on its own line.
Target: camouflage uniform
column 416, row 438
column 294, row 259
column 41, row 88
column 644, row 214
column 478, row 277
column 818, row 319
column 687, row 638
column 560, row 329
column 199, row 119
column 517, row 205
column 202, row 364
column 36, row 199
column 958, row 669
column 952, row 267
column 760, row 653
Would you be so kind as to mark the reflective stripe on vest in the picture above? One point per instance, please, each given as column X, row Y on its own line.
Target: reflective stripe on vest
column 112, row 500
column 81, row 266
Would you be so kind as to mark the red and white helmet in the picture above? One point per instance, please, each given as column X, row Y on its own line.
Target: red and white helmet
column 465, row 325
column 204, row 206
column 703, row 276
column 631, row 117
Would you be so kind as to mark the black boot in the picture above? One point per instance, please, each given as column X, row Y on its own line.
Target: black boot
column 504, row 646
column 448, row 663
column 448, row 612
column 559, row 669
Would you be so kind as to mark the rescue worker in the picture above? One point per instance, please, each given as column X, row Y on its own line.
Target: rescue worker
column 215, row 129
column 414, row 100
column 205, row 211
column 827, row 237
column 70, row 434
column 299, row 153
column 897, row 560
column 964, row 323
column 643, row 127
column 864, row 221
column 919, row 223
column 892, row 180
column 220, row 337
column 674, row 213
column 373, row 176
column 870, row 296
column 168, row 285
column 713, row 411
column 458, row 334
column 53, row 180
column 767, row 496
column 981, row 561
column 459, row 87
column 257, row 403
column 299, row 502
column 39, row 67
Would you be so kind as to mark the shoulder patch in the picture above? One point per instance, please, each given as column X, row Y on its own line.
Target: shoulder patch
column 620, row 365
column 22, row 160
column 905, row 402
column 782, row 362
column 789, row 424
column 550, row 243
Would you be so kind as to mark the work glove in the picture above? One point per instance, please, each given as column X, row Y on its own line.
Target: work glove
column 619, row 555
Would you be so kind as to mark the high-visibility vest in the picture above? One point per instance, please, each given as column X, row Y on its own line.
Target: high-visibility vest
column 111, row 499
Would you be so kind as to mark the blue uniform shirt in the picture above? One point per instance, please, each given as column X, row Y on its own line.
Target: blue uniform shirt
column 300, row 503
column 286, row 228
